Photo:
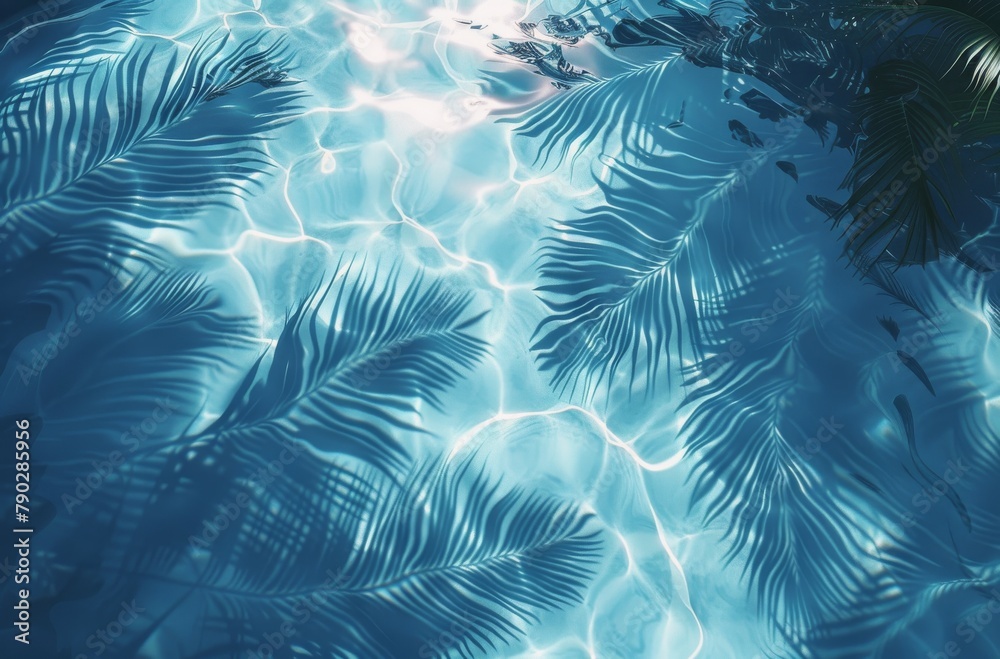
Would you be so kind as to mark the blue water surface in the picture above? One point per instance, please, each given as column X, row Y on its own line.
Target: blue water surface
column 722, row 402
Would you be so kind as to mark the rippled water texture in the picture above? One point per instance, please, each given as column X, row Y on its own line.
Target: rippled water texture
column 698, row 367
column 399, row 158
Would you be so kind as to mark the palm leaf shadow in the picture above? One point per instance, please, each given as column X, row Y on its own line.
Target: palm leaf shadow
column 626, row 281
column 901, row 201
column 37, row 36
column 747, row 421
column 342, row 378
column 620, row 109
column 95, row 143
column 321, row 529
column 448, row 563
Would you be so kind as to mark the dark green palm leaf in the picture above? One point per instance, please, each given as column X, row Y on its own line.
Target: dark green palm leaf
column 962, row 35
column 904, row 176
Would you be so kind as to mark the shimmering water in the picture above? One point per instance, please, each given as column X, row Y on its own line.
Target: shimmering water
column 401, row 155
column 417, row 148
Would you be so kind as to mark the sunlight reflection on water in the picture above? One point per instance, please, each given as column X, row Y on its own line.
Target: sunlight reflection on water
column 398, row 156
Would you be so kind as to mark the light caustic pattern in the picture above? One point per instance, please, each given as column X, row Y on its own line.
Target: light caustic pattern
column 398, row 157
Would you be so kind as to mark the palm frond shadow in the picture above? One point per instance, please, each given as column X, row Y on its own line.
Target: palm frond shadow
column 901, row 199
column 128, row 336
column 350, row 360
column 749, row 420
column 122, row 151
column 296, row 495
column 40, row 36
column 85, row 136
column 909, row 87
column 579, row 119
column 625, row 281
column 447, row 563
column 921, row 578
column 608, row 277
column 961, row 36
column 913, row 101
column 938, row 562
column 289, row 508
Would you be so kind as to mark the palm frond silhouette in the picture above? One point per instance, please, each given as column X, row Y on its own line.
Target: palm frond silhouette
column 118, row 155
column 304, row 461
column 349, row 388
column 302, row 449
